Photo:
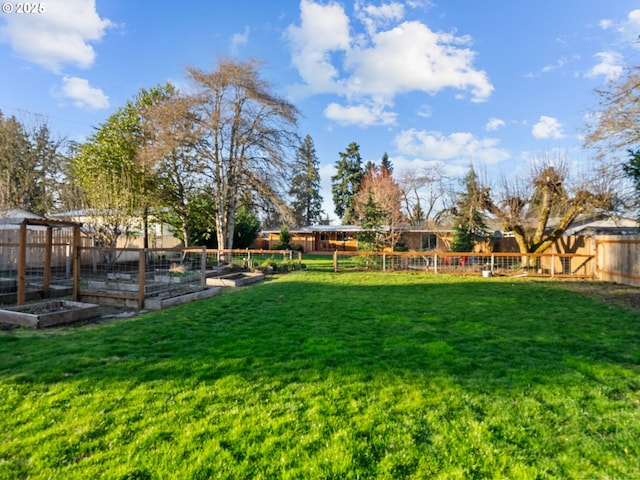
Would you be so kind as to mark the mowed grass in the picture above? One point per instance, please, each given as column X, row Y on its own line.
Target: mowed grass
column 322, row 375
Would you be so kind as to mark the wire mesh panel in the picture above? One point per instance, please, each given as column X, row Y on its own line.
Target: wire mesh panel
column 35, row 261
column 460, row 263
column 408, row 261
column 252, row 259
column 136, row 274
column 171, row 272
column 470, row 263
column 508, row 264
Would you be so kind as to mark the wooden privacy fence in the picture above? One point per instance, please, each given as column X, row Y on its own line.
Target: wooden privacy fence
column 37, row 241
column 618, row 258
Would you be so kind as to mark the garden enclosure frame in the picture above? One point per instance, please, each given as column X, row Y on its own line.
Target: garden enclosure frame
column 48, row 249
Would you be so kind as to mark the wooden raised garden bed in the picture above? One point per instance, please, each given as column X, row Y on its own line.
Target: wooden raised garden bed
column 49, row 313
column 235, row 279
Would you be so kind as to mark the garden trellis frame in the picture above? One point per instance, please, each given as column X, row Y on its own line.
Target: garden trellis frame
column 21, row 293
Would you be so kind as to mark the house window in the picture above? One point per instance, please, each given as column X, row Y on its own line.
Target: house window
column 324, row 237
column 342, row 237
column 429, row 241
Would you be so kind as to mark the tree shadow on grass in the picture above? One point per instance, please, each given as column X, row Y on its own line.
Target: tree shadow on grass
column 484, row 335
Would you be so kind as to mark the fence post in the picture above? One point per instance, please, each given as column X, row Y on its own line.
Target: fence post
column 46, row 281
column 335, row 260
column 75, row 248
column 142, row 278
column 435, row 263
column 21, row 294
column 384, row 261
column 203, row 268
column 492, row 263
column 67, row 264
column 553, row 265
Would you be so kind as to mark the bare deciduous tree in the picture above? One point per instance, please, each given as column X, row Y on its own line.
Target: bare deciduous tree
column 378, row 189
column 526, row 207
column 615, row 126
column 422, row 190
column 169, row 153
column 243, row 132
column 613, row 130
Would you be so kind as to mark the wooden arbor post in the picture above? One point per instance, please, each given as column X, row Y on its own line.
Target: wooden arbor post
column 75, row 249
column 48, row 247
column 21, row 294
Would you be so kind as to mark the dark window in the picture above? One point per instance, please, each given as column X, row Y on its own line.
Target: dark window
column 429, row 241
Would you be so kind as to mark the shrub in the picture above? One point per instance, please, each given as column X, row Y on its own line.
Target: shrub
column 365, row 261
column 296, row 247
column 279, row 265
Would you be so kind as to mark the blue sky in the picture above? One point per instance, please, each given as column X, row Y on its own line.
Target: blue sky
column 492, row 83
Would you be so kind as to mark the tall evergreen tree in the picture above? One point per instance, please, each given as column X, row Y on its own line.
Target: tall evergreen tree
column 346, row 182
column 469, row 224
column 386, row 163
column 631, row 169
column 305, row 185
column 247, row 227
column 371, row 218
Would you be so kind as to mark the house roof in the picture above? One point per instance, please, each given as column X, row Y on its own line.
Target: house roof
column 15, row 216
column 602, row 224
column 358, row 228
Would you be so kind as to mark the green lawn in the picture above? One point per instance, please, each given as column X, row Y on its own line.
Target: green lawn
column 322, row 375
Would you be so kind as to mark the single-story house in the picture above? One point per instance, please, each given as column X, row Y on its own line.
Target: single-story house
column 329, row 238
column 161, row 235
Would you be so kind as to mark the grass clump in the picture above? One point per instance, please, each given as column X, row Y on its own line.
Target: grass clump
column 323, row 375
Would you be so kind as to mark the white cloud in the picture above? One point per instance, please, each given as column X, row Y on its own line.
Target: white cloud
column 240, row 39
column 605, row 24
column 610, row 66
column 60, row 36
column 460, row 147
column 424, row 111
column 555, row 66
column 547, row 127
column 629, row 29
column 322, row 30
column 375, row 17
column 494, row 124
column 411, row 57
column 83, row 94
column 385, row 61
column 403, row 164
column 361, row 115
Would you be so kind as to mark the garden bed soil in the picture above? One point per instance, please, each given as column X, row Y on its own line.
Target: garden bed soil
column 49, row 313
column 614, row 294
column 162, row 302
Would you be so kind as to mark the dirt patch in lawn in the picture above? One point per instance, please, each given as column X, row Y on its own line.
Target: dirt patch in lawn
column 623, row 296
